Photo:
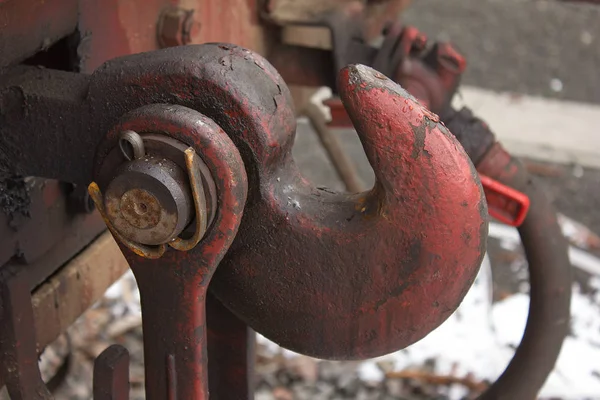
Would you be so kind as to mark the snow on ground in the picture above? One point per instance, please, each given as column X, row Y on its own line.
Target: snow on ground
column 480, row 337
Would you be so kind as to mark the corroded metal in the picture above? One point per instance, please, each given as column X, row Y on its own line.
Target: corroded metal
column 327, row 246
column 111, row 374
column 152, row 252
column 173, row 289
column 355, row 276
column 149, row 201
column 195, row 177
column 18, row 356
column 550, row 281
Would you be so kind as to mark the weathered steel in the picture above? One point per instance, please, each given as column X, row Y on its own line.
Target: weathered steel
column 550, row 281
column 355, row 286
column 231, row 354
column 377, row 13
column 43, row 116
column 175, row 27
column 111, row 374
column 18, row 356
column 29, row 26
column 353, row 235
column 173, row 289
column 40, row 229
column 326, row 274
column 113, row 28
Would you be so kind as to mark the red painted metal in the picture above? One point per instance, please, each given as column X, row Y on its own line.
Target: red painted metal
column 18, row 354
column 326, row 274
column 323, row 273
column 113, row 28
column 358, row 275
column 506, row 204
column 174, row 288
column 111, row 374
column 231, row 353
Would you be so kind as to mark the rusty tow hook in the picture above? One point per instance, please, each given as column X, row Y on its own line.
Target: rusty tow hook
column 331, row 275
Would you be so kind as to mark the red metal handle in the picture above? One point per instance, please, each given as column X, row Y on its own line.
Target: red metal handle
column 506, row 204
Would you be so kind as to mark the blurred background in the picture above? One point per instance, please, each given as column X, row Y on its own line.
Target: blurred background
column 534, row 75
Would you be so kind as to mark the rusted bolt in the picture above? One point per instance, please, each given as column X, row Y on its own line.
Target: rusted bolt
column 174, row 27
column 149, row 201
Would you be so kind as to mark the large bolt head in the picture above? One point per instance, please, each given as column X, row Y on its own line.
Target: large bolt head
column 149, row 200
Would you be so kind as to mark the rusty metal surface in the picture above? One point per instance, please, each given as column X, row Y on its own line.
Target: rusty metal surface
column 18, row 355
column 33, row 98
column 231, row 354
column 550, row 281
column 149, row 200
column 174, row 27
column 430, row 73
column 547, row 256
column 28, row 26
column 46, row 232
column 355, row 286
column 473, row 134
column 379, row 247
column 173, row 289
column 376, row 13
column 111, row 374
column 113, row 28
column 73, row 289
column 351, row 235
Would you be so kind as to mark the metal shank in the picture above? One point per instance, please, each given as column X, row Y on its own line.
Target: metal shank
column 326, row 274
column 358, row 276
column 174, row 288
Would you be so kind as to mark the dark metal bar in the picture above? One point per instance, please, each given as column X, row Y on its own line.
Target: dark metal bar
column 550, row 280
column 33, row 99
column 18, row 354
column 174, row 322
column 62, row 299
column 231, row 354
column 111, row 374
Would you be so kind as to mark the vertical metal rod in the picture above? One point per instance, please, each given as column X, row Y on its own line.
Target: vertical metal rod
column 18, row 351
column 174, row 323
column 231, row 354
column 111, row 374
